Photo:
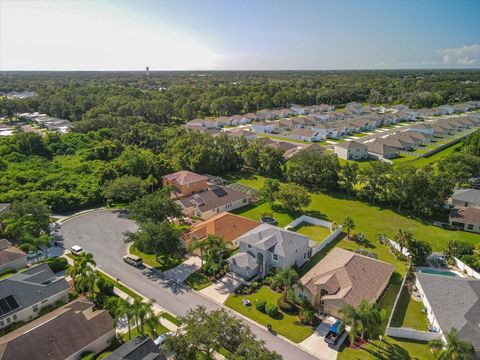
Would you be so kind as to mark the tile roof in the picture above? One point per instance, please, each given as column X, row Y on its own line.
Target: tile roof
column 226, row 225
column 57, row 335
column 31, row 286
column 185, row 177
column 351, row 277
column 465, row 215
column 455, row 302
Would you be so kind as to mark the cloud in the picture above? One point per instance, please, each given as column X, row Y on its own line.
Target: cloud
column 465, row 55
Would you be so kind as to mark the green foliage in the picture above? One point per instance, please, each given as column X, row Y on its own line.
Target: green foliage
column 260, row 305
column 270, row 190
column 156, row 207
column 293, row 197
column 310, row 169
column 419, row 251
column 271, row 309
column 57, row 263
column 7, row 272
column 125, row 189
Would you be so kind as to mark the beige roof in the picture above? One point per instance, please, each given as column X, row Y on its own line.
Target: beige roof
column 465, row 215
column 348, row 276
column 381, row 148
column 185, row 177
column 9, row 253
column 226, row 225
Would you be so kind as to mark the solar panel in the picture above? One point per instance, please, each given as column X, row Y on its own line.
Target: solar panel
column 219, row 192
column 8, row 304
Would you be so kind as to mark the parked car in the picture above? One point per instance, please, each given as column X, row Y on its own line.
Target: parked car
column 76, row 250
column 162, row 338
column 334, row 333
column 133, row 260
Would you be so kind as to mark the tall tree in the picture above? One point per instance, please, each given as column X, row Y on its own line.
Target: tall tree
column 453, row 349
column 156, row 207
column 349, row 176
column 269, row 190
column 286, row 278
column 403, row 238
column 349, row 224
column 293, row 197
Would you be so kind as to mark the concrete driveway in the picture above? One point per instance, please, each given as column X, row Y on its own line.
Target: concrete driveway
column 181, row 272
column 315, row 344
column 220, row 290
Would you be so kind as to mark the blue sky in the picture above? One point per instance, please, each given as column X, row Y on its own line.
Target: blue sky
column 229, row 35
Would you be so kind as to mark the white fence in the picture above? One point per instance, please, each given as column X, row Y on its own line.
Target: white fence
column 397, row 246
column 317, row 222
column 466, row 269
column 407, row 333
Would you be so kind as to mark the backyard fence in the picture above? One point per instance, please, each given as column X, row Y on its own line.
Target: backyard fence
column 395, row 245
column 408, row 333
column 467, row 269
column 317, row 222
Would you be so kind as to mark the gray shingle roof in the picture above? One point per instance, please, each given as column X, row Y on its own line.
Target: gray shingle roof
column 456, row 303
column 212, row 199
column 139, row 348
column 471, row 196
column 32, row 286
column 244, row 260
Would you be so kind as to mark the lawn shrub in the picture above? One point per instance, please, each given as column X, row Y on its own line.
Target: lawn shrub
column 72, row 295
column 285, row 306
column 271, row 309
column 260, row 305
column 57, row 263
column 7, row 272
column 87, row 355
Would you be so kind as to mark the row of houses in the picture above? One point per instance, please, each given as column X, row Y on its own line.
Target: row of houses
column 47, row 122
column 417, row 135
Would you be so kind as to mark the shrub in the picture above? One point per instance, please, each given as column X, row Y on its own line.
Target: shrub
column 271, row 309
column 7, row 272
column 260, row 305
column 57, row 263
column 286, row 306
column 87, row 355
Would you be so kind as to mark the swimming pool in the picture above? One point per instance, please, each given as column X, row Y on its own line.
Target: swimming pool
column 437, row 272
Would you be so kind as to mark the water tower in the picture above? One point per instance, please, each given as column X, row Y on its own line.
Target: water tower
column 147, row 70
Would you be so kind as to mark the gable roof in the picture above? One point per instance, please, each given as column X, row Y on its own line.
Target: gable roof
column 9, row 253
column 348, row 276
column 212, row 198
column 465, row 215
column 275, row 239
column 31, row 286
column 185, row 177
column 226, row 225
column 381, row 148
column 455, row 302
column 57, row 335
column 351, row 145
column 471, row 196
column 139, row 348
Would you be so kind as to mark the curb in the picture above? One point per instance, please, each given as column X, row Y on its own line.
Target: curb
column 85, row 212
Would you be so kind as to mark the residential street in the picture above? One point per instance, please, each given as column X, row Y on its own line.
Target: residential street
column 101, row 234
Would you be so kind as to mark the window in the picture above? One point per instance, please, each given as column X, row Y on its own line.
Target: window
column 245, row 200
column 35, row 308
column 470, row 227
column 275, row 257
column 14, row 316
column 2, row 323
column 466, row 204
column 8, row 320
column 249, row 246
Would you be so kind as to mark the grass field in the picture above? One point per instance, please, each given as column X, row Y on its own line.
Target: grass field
column 197, row 281
column 284, row 324
column 408, row 313
column 164, row 263
column 134, row 332
column 314, row 232
column 125, row 289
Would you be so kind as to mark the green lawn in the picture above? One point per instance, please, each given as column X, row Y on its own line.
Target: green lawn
column 369, row 219
column 285, row 324
column 165, row 261
column 171, row 318
column 103, row 355
column 281, row 138
column 409, row 314
column 125, row 289
column 134, row 332
column 314, row 232
column 432, row 159
column 197, row 281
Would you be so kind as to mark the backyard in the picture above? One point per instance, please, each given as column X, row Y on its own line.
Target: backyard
column 284, row 324
column 314, row 232
column 409, row 314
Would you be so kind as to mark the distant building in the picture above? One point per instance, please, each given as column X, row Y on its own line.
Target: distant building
column 64, row 333
column 466, row 198
column 466, row 218
column 147, row 70
column 185, row 183
column 351, row 150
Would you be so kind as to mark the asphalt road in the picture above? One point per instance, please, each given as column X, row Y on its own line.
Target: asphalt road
column 101, row 233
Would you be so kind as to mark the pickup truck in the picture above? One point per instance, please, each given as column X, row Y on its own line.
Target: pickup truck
column 334, row 333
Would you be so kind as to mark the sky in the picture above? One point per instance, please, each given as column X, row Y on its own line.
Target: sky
column 238, row 35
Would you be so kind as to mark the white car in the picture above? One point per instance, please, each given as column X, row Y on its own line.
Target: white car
column 162, row 338
column 76, row 250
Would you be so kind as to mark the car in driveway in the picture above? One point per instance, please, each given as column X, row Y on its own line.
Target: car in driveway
column 76, row 250
column 334, row 333
column 162, row 338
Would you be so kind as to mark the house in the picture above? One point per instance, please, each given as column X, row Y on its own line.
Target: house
column 266, row 247
column 380, row 150
column 281, row 126
column 265, row 115
column 11, row 257
column 466, row 198
column 419, row 136
column 423, row 128
column 351, row 150
column 205, row 130
column 283, row 113
column 226, row 225
column 399, row 144
column 344, row 278
column 241, row 133
column 64, row 333
column 25, row 293
column 304, row 135
column 240, row 120
column 263, row 127
column 452, row 302
column 466, row 218
column 287, row 148
column 185, row 183
column 209, row 203
column 139, row 348
column 299, row 110
column 325, row 131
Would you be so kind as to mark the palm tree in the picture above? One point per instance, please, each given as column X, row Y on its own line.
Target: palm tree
column 349, row 225
column 453, row 349
column 202, row 246
column 286, row 278
column 82, row 265
column 212, row 248
column 34, row 243
column 366, row 319
column 403, row 238
column 352, row 318
column 152, row 323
